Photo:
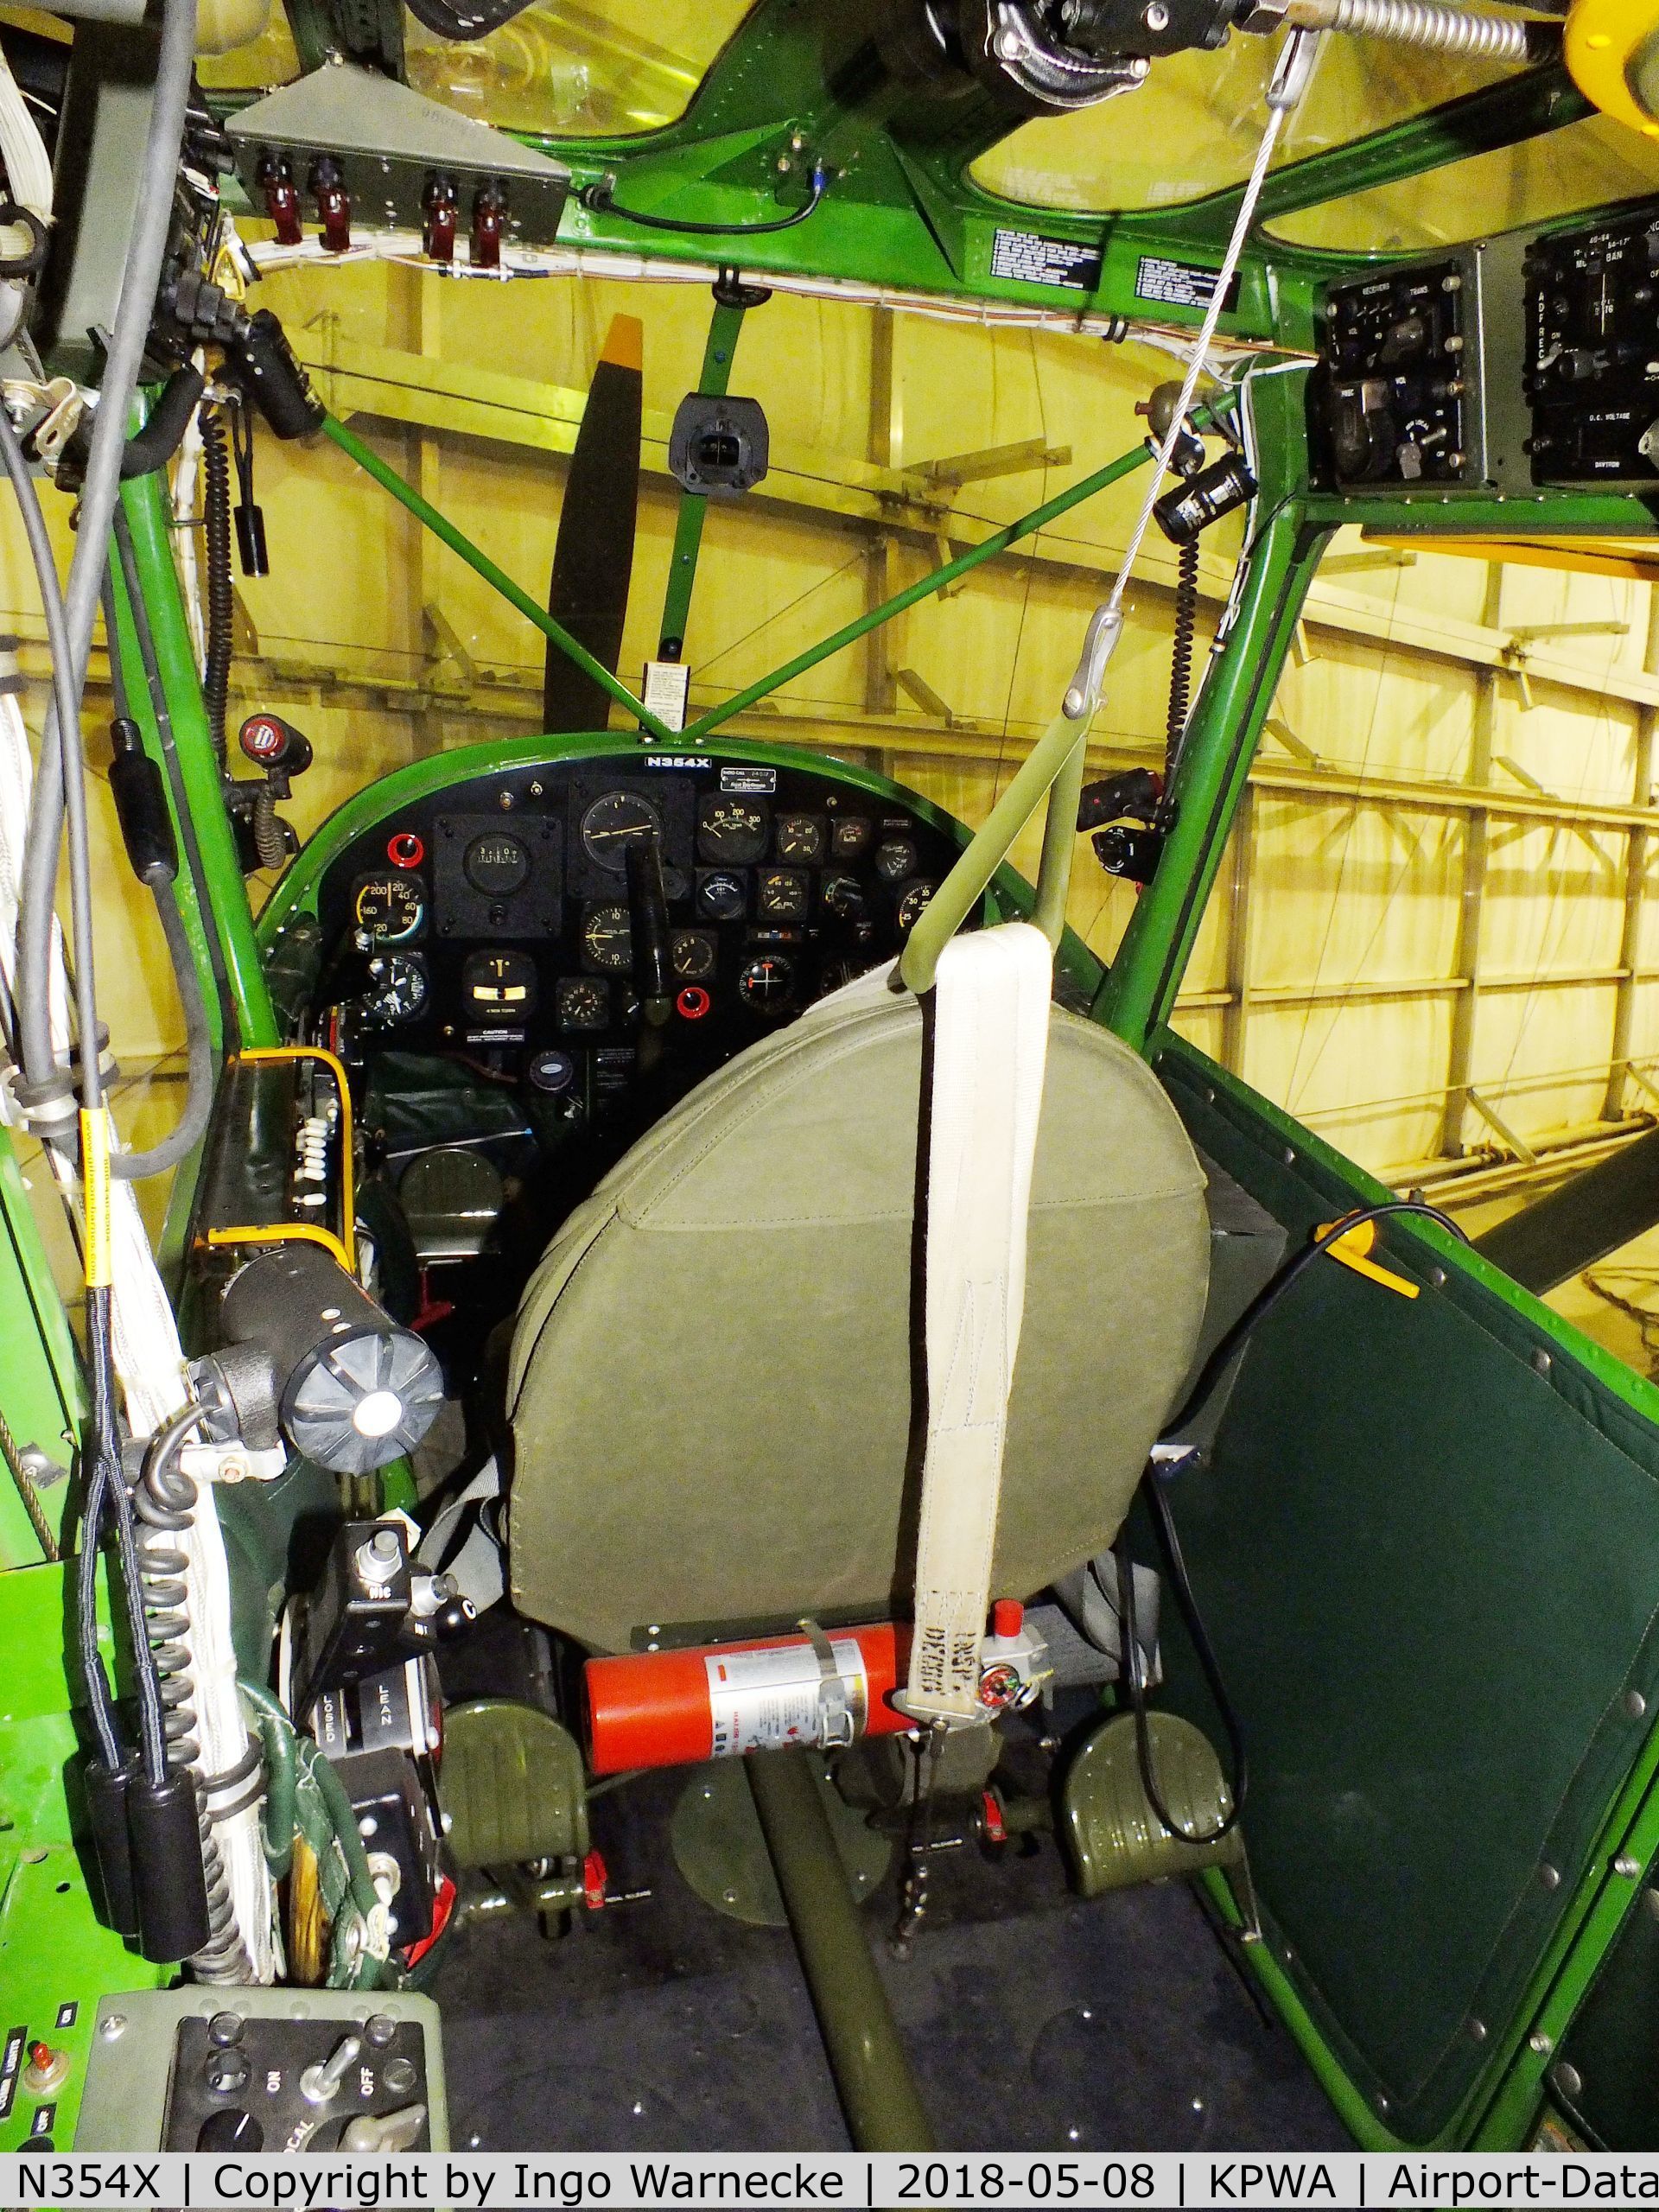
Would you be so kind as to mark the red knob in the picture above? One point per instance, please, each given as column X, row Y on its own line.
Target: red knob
column 693, row 1002
column 1008, row 1617
column 595, row 1875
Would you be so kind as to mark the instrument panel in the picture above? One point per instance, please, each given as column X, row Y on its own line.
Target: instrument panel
column 499, row 922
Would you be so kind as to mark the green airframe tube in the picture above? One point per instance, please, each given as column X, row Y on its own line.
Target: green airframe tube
column 144, row 501
column 480, row 562
column 724, row 325
column 877, row 2090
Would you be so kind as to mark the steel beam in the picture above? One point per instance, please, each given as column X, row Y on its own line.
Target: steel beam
column 1638, row 851
column 1477, row 842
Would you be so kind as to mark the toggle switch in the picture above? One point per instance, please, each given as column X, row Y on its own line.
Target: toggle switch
column 320, row 2083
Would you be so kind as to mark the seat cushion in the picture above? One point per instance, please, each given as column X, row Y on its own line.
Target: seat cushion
column 711, row 1373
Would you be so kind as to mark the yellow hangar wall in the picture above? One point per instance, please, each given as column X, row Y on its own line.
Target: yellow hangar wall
column 1447, row 729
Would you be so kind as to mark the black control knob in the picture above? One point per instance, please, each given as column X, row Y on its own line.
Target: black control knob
column 231, row 2130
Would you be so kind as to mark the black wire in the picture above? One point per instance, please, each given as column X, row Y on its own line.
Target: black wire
column 1230, row 1345
column 1129, row 1637
column 107, row 1491
column 1266, row 1299
column 216, row 541
column 598, row 198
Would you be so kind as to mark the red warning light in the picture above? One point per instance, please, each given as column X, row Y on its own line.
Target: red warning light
column 263, row 738
column 405, row 850
column 693, row 1002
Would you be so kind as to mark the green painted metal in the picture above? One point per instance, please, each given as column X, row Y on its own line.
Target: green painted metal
column 867, row 2055
column 297, row 891
column 42, row 1397
column 53, row 1950
column 1054, row 763
column 144, row 499
column 987, row 550
column 724, row 327
column 480, row 563
column 1542, row 1424
column 199, row 927
column 1221, row 737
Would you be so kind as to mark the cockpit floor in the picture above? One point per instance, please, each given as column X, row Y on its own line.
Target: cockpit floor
column 1035, row 2021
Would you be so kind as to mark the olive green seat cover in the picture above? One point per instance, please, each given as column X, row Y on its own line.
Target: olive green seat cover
column 710, row 1380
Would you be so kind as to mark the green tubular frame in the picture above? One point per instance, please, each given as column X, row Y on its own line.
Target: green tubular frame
column 480, row 562
column 144, row 501
column 724, row 327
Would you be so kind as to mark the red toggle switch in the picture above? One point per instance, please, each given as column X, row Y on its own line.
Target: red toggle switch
column 282, row 200
column 489, row 214
column 439, row 201
column 334, row 205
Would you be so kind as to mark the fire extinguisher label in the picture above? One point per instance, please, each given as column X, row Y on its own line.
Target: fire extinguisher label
column 766, row 1700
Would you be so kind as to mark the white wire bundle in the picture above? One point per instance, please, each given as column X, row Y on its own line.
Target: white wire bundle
column 149, row 1362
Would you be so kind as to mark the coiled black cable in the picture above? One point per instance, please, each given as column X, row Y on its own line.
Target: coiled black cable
column 165, row 1506
column 1180, row 664
column 221, row 606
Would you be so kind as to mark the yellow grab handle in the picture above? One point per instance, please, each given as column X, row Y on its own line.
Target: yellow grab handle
column 1352, row 1250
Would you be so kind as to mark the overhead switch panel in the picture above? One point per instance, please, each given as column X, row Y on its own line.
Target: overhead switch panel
column 1592, row 354
column 1395, row 400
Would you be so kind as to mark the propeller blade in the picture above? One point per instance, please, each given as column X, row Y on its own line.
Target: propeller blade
column 593, row 555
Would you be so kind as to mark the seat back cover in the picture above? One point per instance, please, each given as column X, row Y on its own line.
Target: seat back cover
column 712, row 1369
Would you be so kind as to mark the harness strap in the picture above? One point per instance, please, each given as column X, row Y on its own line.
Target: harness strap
column 990, row 1015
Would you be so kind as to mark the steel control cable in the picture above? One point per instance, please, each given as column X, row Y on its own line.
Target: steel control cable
column 58, row 786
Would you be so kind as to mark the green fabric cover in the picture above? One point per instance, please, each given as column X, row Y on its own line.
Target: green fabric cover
column 710, row 1380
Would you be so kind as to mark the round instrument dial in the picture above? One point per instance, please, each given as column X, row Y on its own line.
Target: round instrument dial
column 607, row 939
column 499, row 986
column 399, row 988
column 850, row 835
column 582, row 1004
column 612, row 822
column 781, row 895
column 843, row 896
column 496, row 864
column 768, row 985
column 913, row 904
column 693, row 954
column 895, row 858
column 722, row 896
column 389, row 908
column 731, row 829
column 800, row 837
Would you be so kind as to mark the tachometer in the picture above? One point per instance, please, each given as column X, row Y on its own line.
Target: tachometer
column 611, row 825
column 607, row 939
column 913, row 904
column 731, row 829
column 389, row 908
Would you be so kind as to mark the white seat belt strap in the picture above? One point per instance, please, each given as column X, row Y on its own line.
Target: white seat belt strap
column 990, row 1041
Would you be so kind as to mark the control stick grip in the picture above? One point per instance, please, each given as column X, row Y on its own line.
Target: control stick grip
column 648, row 917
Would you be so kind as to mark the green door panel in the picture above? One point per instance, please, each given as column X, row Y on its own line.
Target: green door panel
column 1426, row 1546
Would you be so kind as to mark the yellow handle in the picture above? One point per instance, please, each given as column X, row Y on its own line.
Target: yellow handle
column 1351, row 1249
